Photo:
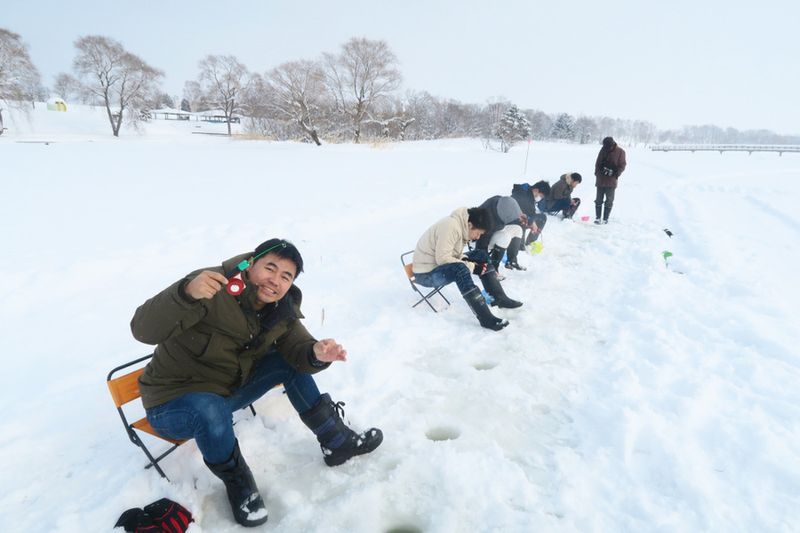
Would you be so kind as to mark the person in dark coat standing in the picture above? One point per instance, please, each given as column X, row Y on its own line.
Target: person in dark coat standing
column 219, row 350
column 608, row 167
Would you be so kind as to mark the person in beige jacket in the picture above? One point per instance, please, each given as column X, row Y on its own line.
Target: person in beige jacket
column 439, row 259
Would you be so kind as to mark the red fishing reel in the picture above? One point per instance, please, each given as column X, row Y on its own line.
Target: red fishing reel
column 235, row 285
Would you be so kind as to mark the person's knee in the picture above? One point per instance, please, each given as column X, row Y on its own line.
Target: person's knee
column 212, row 416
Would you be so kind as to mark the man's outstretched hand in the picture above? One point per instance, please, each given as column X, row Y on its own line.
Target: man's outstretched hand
column 328, row 351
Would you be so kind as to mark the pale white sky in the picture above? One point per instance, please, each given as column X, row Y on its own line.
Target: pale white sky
column 726, row 62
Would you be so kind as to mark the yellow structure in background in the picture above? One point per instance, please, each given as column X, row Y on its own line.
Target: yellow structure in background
column 56, row 104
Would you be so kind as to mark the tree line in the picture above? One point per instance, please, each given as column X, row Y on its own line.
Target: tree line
column 350, row 95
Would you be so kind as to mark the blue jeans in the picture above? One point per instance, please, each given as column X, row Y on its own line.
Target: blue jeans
column 208, row 418
column 564, row 205
column 444, row 274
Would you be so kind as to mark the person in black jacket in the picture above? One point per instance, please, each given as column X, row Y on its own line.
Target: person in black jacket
column 505, row 223
column 531, row 199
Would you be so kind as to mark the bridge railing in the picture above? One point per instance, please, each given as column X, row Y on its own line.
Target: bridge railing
column 749, row 148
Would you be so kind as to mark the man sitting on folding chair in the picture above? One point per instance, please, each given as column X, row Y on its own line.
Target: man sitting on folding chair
column 220, row 350
column 439, row 259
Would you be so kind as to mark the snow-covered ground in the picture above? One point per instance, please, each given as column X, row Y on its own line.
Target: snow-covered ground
column 624, row 396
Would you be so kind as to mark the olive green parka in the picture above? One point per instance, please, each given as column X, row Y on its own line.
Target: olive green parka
column 211, row 345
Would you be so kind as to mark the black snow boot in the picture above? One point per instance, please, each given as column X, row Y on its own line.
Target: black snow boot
column 513, row 253
column 338, row 442
column 496, row 255
column 246, row 503
column 598, row 210
column 495, row 290
column 478, row 306
column 569, row 211
column 605, row 215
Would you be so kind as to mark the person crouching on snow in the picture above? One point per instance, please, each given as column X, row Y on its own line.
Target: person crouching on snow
column 531, row 199
column 560, row 198
column 218, row 352
column 439, row 259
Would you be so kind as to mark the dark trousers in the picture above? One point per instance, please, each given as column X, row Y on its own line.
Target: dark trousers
column 608, row 194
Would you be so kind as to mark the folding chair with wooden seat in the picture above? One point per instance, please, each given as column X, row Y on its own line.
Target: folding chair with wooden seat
column 424, row 297
column 125, row 389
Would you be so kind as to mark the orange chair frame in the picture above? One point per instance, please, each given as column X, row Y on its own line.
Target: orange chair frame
column 125, row 389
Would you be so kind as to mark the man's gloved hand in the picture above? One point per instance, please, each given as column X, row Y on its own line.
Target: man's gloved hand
column 477, row 256
column 480, row 269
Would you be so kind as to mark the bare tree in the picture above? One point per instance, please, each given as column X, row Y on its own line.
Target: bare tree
column 19, row 79
column 122, row 80
column 363, row 72
column 297, row 90
column 222, row 83
column 541, row 124
column 69, row 88
column 586, row 129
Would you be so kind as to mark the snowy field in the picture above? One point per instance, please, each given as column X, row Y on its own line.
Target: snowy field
column 624, row 396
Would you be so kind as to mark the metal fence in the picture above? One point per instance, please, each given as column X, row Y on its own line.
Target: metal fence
column 749, row 148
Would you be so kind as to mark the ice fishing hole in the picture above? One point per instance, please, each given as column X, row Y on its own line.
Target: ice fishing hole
column 486, row 365
column 404, row 529
column 442, row 433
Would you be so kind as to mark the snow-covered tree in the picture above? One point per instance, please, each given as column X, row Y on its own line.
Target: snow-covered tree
column 512, row 127
column 297, row 91
column 19, row 79
column 185, row 106
column 363, row 72
column 163, row 99
column 586, row 129
column 541, row 124
column 564, row 127
column 221, row 84
column 121, row 80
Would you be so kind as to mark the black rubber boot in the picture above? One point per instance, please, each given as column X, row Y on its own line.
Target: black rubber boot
column 532, row 237
column 338, row 442
column 496, row 255
column 246, row 503
column 598, row 209
column 513, row 253
column 478, row 306
column 607, row 212
column 495, row 290
column 569, row 211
